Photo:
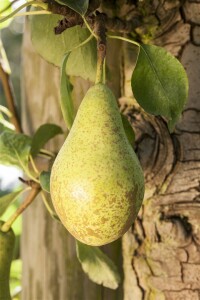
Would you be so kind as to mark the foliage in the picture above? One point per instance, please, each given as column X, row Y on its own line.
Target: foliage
column 43, row 134
column 164, row 88
column 66, row 102
column 3, row 5
column 97, row 265
column 82, row 61
column 45, row 181
column 15, row 149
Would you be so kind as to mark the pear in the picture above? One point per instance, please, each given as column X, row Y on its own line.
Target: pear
column 7, row 242
column 97, row 184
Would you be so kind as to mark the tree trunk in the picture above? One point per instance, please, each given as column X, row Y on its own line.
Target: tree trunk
column 162, row 251
column 161, row 256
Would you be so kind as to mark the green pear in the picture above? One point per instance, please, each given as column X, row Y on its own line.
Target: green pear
column 97, row 184
column 7, row 242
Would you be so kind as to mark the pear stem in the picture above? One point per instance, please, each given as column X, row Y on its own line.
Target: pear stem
column 31, row 196
column 100, row 64
column 100, row 31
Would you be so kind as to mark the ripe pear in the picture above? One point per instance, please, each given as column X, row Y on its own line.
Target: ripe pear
column 7, row 242
column 97, row 184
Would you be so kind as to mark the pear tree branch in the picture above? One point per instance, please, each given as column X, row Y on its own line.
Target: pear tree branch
column 71, row 18
column 31, row 196
column 5, row 79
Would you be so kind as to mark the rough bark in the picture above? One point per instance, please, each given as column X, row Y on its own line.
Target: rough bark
column 161, row 253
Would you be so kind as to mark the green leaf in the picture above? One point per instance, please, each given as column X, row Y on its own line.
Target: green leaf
column 15, row 149
column 45, row 181
column 43, row 134
column 128, row 130
column 7, row 199
column 82, row 61
column 4, row 4
column 80, row 6
column 98, row 266
column 159, row 83
column 66, row 102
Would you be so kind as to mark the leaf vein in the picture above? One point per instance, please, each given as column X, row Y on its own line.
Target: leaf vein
column 155, row 72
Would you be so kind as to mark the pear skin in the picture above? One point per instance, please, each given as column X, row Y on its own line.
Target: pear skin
column 97, row 184
column 7, row 242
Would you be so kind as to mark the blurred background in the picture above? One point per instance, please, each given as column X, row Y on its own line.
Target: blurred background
column 11, row 38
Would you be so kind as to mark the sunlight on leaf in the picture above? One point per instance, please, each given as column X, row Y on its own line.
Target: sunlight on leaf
column 3, row 5
column 45, row 181
column 160, row 83
column 15, row 149
column 43, row 134
column 66, row 102
column 99, row 267
column 82, row 61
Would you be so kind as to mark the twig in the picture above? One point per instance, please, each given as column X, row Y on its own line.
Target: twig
column 111, row 24
column 62, row 10
column 64, row 24
column 71, row 18
column 30, row 183
column 93, row 5
column 100, row 31
column 122, row 26
column 31, row 196
column 10, row 99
